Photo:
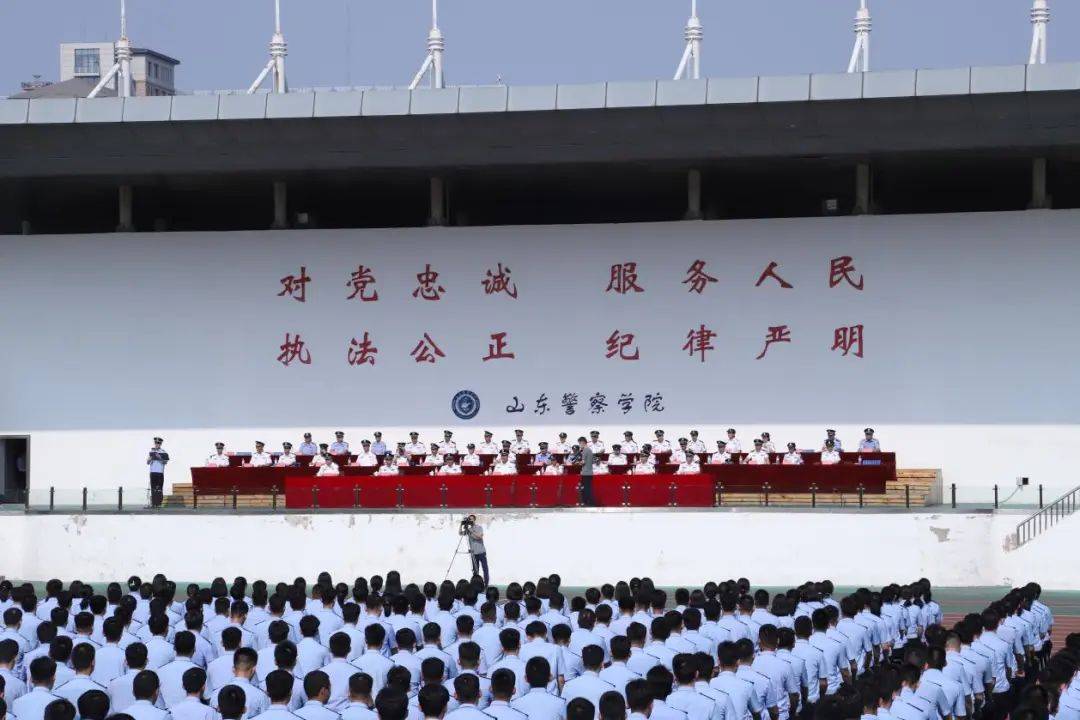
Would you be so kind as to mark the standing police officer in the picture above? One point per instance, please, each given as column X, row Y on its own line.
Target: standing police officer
column 156, row 459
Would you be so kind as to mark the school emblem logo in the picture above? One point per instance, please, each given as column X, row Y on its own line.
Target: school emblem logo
column 465, row 404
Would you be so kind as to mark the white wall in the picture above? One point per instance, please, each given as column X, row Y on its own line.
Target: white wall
column 585, row 547
column 968, row 351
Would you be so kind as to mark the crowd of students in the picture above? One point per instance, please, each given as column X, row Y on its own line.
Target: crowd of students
column 384, row 650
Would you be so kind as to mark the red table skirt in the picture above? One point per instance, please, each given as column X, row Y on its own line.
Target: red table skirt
column 470, row 491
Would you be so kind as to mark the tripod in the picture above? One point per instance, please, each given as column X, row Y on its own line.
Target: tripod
column 457, row 551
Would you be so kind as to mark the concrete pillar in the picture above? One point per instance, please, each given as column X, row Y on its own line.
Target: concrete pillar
column 281, row 206
column 1040, row 197
column 693, row 195
column 863, row 186
column 127, row 209
column 438, row 202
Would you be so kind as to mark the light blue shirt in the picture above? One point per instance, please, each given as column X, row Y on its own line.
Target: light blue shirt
column 31, row 706
column 315, row 710
column 539, row 704
column 307, row 448
column 145, row 710
column 255, row 700
column 191, row 709
column 588, row 685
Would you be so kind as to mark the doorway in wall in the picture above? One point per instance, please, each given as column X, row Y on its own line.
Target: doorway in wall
column 14, row 468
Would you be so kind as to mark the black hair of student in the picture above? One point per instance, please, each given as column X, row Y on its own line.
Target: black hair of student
column 612, row 706
column 705, row 664
column 538, row 672
column 660, row 629
column 592, row 657
column 340, row 645
column 768, row 636
column 399, row 677
column 59, row 710
column 432, row 670
column 684, row 668
column 145, row 684
column 580, row 709
column 620, row 648
column 467, row 688
column 433, row 700
column 82, row 657
column 42, row 670
column 660, row 680
column 93, row 705
column 314, row 683
column 193, row 680
column 509, row 639
column 639, row 696
column 502, row 684
column 560, row 633
column 279, row 685
column 231, row 702
column 245, row 658
column 361, row 684
column 727, row 655
column 820, row 619
column 636, row 632
column 309, row 626
column 9, row 650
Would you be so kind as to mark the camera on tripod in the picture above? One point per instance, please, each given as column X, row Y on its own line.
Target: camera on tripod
column 466, row 524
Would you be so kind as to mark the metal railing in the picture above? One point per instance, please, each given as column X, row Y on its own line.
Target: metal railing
column 1049, row 516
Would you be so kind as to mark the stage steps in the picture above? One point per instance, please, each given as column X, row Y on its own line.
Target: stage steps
column 924, row 487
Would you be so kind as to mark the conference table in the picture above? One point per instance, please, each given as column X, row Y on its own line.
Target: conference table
column 415, row 487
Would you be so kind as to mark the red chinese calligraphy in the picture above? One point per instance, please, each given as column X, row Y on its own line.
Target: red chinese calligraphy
column 770, row 272
column 362, row 352
column 699, row 341
column 295, row 287
column 777, row 334
column 620, row 345
column 842, row 268
column 360, row 281
column 624, row 279
column 697, row 278
column 497, row 348
column 849, row 339
column 293, row 349
column 499, row 281
column 426, row 350
column 428, row 286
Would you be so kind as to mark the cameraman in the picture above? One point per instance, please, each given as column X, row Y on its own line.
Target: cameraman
column 477, row 552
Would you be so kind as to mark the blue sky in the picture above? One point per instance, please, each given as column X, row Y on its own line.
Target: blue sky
column 222, row 43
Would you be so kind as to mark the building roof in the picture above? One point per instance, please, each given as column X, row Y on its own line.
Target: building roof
column 78, row 87
column 156, row 54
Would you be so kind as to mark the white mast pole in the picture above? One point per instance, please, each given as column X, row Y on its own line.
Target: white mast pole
column 690, row 65
column 860, row 54
column 433, row 61
column 276, row 66
column 1040, row 18
column 121, row 69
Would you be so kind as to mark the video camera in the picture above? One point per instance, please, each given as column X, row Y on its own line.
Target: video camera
column 466, row 525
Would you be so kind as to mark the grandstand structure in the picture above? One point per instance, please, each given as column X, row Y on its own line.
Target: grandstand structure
column 152, row 247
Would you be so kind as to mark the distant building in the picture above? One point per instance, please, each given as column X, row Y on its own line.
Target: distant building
column 152, row 73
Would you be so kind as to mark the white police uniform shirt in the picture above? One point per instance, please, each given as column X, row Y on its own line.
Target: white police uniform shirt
column 376, row 665
column 339, row 448
column 734, row 445
column 261, row 459
column 689, row 468
column 644, row 468
column 171, row 678
column 616, row 459
column 678, row 456
column 661, row 446
column 73, row 689
column 597, row 446
column 560, row 448
column 519, row 447
column 191, row 709
column 502, row 710
column 449, row 470
column 588, row 685
column 869, row 445
column 470, row 459
column 416, row 448
column 255, row 700
column 696, row 446
column 308, row 448
column 504, row 468
column 757, row 457
column 145, row 710
column 539, row 704
column 467, row 711
column 286, row 460
column 433, row 460
column 330, row 468
column 830, row 457
column 387, row 470
column 617, row 674
column 793, row 458
column 720, row 458
column 767, row 446
column 217, row 460
column 448, row 447
column 487, row 448
column 366, row 459
column 31, row 706
column 317, row 461
column 315, row 710
column 401, row 460
column 837, row 445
